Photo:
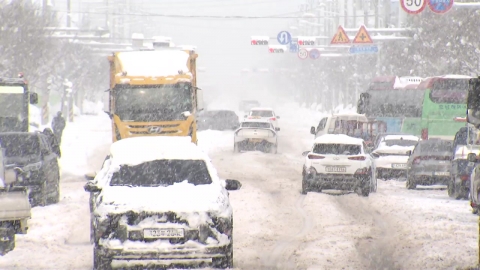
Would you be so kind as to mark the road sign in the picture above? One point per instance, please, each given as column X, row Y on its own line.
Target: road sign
column 362, row 36
column 413, row 6
column 306, row 41
column 314, row 54
column 340, row 37
column 364, row 49
column 303, row 54
column 293, row 48
column 284, row 37
column 277, row 48
column 440, row 6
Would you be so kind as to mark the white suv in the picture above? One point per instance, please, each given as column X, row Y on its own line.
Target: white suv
column 337, row 161
column 265, row 114
column 160, row 202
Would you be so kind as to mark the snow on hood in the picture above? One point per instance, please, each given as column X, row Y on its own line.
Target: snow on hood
column 154, row 63
column 179, row 198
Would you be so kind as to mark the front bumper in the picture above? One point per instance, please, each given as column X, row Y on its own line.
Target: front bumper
column 163, row 255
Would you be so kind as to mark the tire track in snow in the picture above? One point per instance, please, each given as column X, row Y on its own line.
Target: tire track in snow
column 281, row 256
column 377, row 248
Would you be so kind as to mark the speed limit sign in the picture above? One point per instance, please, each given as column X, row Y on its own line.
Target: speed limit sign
column 413, row 6
column 303, row 54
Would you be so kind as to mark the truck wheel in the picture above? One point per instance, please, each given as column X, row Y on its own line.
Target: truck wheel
column 39, row 198
column 273, row 149
column 7, row 235
column 99, row 262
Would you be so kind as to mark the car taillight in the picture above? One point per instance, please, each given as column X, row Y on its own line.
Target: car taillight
column 362, row 171
column 273, row 118
column 465, row 177
column 441, row 158
column 417, row 160
column 315, row 157
column 357, row 158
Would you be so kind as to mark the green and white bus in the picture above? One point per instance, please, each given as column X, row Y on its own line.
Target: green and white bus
column 427, row 109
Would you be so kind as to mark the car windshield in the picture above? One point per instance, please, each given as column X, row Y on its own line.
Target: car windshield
column 261, row 113
column 19, row 145
column 433, row 147
column 337, row 149
column 398, row 142
column 256, row 125
column 162, row 173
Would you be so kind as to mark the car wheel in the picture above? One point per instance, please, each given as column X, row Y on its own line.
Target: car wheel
column 304, row 186
column 99, row 262
column 411, row 183
column 460, row 192
column 39, row 198
column 273, row 149
column 451, row 188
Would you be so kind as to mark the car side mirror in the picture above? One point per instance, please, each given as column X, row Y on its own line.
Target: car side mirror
column 305, row 153
column 277, row 129
column 109, row 114
column 90, row 176
column 312, row 131
column 375, row 155
column 33, row 98
column 231, row 184
column 472, row 157
column 409, row 152
column 90, row 187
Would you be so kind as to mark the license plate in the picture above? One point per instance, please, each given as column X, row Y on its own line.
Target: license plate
column 256, row 140
column 163, row 233
column 442, row 173
column 399, row 165
column 335, row 169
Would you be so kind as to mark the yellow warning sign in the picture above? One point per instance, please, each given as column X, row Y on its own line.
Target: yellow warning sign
column 362, row 36
column 340, row 37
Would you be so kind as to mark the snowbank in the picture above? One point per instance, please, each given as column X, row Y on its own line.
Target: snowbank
column 92, row 108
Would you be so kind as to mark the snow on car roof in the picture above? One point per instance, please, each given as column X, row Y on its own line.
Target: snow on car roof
column 154, row 63
column 338, row 139
column 397, row 137
column 261, row 109
column 256, row 120
column 137, row 150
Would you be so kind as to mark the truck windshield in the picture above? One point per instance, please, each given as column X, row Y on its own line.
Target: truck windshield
column 394, row 103
column 163, row 172
column 12, row 101
column 153, row 103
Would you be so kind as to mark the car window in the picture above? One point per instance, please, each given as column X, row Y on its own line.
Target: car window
column 322, row 123
column 433, row 147
column 164, row 172
column 261, row 113
column 337, row 149
column 256, row 125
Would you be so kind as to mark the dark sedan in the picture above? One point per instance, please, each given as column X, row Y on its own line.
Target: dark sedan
column 217, row 120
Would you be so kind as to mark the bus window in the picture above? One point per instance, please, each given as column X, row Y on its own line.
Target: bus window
column 453, row 91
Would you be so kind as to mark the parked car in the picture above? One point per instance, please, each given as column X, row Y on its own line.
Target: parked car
column 474, row 182
column 256, row 134
column 429, row 163
column 34, row 157
column 265, row 114
column 465, row 142
column 160, row 202
column 217, row 120
column 246, row 105
column 337, row 161
column 392, row 155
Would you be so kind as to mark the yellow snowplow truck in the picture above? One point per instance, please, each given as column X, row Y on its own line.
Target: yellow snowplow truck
column 154, row 93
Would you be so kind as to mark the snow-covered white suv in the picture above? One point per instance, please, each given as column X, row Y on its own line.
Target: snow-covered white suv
column 338, row 161
column 391, row 155
column 161, row 203
column 265, row 114
column 256, row 134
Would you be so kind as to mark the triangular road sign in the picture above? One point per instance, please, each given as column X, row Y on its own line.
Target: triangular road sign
column 340, row 37
column 362, row 36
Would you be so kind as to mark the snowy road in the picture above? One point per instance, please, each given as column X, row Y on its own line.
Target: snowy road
column 275, row 226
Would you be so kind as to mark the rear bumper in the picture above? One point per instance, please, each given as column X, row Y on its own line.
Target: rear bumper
column 336, row 181
column 389, row 172
column 257, row 140
column 141, row 255
column 430, row 178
